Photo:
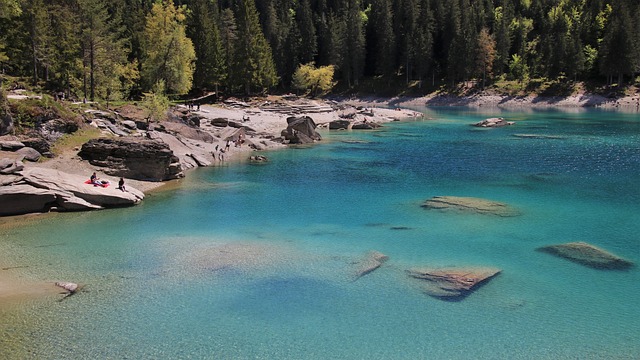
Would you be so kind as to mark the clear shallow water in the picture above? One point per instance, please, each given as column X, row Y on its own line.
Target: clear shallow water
column 257, row 261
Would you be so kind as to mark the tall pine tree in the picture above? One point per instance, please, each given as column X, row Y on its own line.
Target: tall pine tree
column 254, row 64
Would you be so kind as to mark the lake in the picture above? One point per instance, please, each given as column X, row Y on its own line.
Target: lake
column 257, row 261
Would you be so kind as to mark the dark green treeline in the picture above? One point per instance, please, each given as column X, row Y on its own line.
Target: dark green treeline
column 118, row 48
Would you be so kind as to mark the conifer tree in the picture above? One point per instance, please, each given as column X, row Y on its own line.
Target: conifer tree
column 168, row 52
column 67, row 63
column 618, row 47
column 228, row 38
column 423, row 41
column 210, row 69
column 104, row 54
column 382, row 47
column 253, row 57
column 307, row 31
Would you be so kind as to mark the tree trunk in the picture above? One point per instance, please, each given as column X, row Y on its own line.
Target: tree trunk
column 92, row 69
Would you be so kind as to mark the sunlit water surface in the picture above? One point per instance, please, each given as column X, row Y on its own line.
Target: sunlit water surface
column 257, row 261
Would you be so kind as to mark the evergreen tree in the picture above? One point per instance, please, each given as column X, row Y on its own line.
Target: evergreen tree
column 228, row 38
column 8, row 9
column 253, row 57
column 618, row 47
column 210, row 69
column 38, row 27
column 503, row 16
column 381, row 45
column 307, row 31
column 67, row 62
column 354, row 43
column 423, row 41
column 406, row 19
column 103, row 50
column 168, row 52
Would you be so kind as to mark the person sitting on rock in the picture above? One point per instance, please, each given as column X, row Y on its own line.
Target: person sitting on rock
column 121, row 184
column 97, row 182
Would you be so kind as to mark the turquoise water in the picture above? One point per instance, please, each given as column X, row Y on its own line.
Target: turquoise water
column 257, row 261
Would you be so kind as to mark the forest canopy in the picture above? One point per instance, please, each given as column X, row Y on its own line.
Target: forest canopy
column 115, row 49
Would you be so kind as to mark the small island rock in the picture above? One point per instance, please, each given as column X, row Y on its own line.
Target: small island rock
column 453, row 283
column 588, row 255
column 372, row 261
column 493, row 122
column 470, row 204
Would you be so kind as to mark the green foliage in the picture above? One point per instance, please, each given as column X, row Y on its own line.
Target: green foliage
column 30, row 113
column 156, row 102
column 168, row 53
column 518, row 69
column 9, row 8
column 253, row 59
column 71, row 141
column 315, row 80
column 89, row 48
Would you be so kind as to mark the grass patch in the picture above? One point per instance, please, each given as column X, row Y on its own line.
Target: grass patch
column 75, row 140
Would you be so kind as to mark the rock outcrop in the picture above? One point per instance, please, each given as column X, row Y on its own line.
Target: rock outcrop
column 301, row 130
column 493, row 122
column 365, row 126
column 42, row 190
column 452, row 284
column 339, row 125
column 372, row 261
column 588, row 255
column 148, row 160
column 470, row 204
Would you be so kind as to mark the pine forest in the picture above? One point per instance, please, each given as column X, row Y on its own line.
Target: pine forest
column 121, row 49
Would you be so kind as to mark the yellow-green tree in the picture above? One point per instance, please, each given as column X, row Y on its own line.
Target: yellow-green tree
column 315, row 80
column 168, row 54
column 156, row 102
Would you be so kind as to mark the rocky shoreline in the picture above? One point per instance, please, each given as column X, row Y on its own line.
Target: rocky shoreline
column 149, row 156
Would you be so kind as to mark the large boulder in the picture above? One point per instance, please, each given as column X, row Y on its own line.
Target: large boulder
column 6, row 123
column 149, row 160
column 29, row 154
column 452, row 284
column 365, row 126
column 10, row 166
column 38, row 143
column 55, row 128
column 470, row 204
column 11, row 145
column 220, row 122
column 23, row 199
column 43, row 190
column 339, row 125
column 301, row 130
column 588, row 255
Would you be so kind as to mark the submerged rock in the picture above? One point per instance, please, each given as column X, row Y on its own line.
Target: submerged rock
column 588, row 255
column 68, row 286
column 470, row 204
column 372, row 261
column 452, row 283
